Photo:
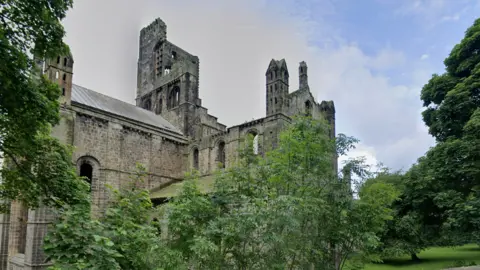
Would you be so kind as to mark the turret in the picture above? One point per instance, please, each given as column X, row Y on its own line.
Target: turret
column 276, row 86
column 303, row 77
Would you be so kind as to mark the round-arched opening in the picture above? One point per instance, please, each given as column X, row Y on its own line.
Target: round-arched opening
column 86, row 170
column 308, row 108
column 255, row 139
column 255, row 144
column 174, row 98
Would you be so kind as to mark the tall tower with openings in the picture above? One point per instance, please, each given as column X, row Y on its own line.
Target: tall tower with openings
column 276, row 86
column 303, row 76
column 60, row 70
column 167, row 79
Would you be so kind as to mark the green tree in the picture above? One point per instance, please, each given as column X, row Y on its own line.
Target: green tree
column 125, row 237
column 405, row 233
column 443, row 183
column 37, row 166
column 289, row 210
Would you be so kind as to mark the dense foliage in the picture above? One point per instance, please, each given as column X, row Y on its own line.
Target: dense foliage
column 445, row 182
column 38, row 166
column 289, row 210
column 440, row 194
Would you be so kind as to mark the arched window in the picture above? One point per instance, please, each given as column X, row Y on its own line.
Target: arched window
column 147, row 104
column 308, row 108
column 276, row 100
column 173, row 98
column 221, row 154
column 255, row 147
column 86, row 170
column 58, row 60
column 88, row 167
column 195, row 159
column 56, row 75
column 65, row 61
column 63, row 91
column 64, row 76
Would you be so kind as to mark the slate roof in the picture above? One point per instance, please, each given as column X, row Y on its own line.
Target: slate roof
column 90, row 98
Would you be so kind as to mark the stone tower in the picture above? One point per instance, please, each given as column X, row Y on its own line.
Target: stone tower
column 60, row 71
column 167, row 79
column 303, row 76
column 277, row 86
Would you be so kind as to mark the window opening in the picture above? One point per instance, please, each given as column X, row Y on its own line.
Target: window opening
column 221, row 154
column 195, row 159
column 86, row 170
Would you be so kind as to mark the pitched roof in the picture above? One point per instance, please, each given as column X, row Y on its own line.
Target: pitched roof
column 277, row 64
column 90, row 98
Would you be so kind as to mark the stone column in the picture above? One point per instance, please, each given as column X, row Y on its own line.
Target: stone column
column 38, row 221
column 17, row 228
column 17, row 235
column 4, row 230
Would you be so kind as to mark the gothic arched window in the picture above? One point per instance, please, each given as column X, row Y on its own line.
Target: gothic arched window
column 174, row 98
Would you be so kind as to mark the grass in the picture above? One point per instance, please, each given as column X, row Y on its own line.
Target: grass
column 433, row 259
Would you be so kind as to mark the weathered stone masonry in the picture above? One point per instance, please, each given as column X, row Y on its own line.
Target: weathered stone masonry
column 168, row 131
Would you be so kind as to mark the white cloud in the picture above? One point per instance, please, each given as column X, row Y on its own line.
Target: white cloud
column 454, row 17
column 235, row 42
column 433, row 12
column 424, row 57
column 361, row 151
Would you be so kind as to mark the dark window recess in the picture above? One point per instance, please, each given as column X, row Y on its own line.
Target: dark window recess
column 147, row 104
column 195, row 159
column 86, row 170
column 308, row 108
column 174, row 98
column 221, row 154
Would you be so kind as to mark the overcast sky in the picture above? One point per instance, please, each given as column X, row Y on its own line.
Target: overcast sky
column 371, row 57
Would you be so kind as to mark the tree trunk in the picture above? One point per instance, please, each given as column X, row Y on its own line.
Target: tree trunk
column 414, row 257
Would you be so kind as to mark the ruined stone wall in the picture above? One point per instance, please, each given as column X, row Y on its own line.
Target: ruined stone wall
column 297, row 102
column 150, row 36
column 267, row 129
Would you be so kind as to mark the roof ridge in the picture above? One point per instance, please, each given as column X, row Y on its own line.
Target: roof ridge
column 107, row 96
column 94, row 99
